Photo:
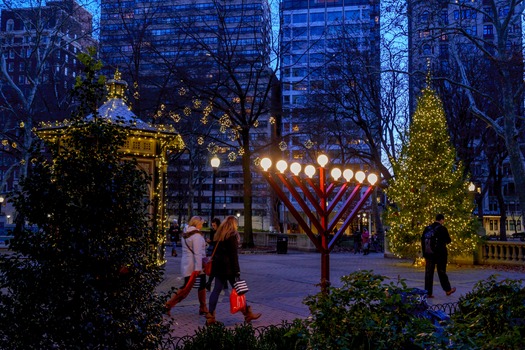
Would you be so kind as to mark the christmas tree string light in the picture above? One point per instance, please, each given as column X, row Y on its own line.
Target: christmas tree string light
column 429, row 180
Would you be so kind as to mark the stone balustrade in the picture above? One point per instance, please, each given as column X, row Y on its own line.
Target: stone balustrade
column 501, row 253
column 488, row 253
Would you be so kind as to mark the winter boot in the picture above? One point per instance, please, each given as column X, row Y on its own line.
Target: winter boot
column 175, row 299
column 249, row 316
column 203, row 310
column 210, row 318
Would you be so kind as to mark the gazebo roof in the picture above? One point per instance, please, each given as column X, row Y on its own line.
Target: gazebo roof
column 116, row 111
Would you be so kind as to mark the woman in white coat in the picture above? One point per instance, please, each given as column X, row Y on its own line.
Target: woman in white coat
column 193, row 250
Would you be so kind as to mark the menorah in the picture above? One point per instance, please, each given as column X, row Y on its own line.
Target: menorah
column 318, row 209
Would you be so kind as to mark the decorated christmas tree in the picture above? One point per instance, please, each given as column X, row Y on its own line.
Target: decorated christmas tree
column 429, row 180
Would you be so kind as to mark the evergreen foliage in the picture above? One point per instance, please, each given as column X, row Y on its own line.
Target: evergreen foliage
column 365, row 313
column 490, row 317
column 428, row 180
column 82, row 274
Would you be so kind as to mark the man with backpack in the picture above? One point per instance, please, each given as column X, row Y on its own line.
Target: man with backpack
column 434, row 247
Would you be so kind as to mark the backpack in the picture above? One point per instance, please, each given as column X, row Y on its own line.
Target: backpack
column 429, row 240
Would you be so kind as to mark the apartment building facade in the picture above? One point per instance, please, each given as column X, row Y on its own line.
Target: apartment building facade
column 38, row 48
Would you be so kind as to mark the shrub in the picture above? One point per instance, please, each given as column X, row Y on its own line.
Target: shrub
column 241, row 337
column 365, row 313
column 84, row 277
column 490, row 317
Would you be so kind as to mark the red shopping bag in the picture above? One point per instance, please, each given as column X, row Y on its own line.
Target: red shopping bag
column 237, row 302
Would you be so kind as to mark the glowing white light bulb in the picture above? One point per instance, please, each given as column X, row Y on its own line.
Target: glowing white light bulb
column 348, row 174
column 281, row 165
column 295, row 168
column 372, row 179
column 266, row 163
column 335, row 173
column 309, row 170
column 360, row 176
column 322, row 160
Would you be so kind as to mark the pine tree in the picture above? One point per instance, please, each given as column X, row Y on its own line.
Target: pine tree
column 429, row 180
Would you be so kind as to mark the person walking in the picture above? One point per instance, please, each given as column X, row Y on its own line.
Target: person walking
column 225, row 267
column 438, row 257
column 193, row 250
column 215, row 223
column 357, row 242
column 365, row 240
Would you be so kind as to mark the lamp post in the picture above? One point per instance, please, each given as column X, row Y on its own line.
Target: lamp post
column 215, row 162
column 478, row 199
column 318, row 194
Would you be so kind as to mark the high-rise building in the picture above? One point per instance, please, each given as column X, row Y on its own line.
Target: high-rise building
column 317, row 37
column 453, row 40
column 438, row 28
column 38, row 48
column 323, row 43
column 222, row 49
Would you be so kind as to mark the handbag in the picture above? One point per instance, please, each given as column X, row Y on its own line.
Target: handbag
column 206, row 261
column 241, row 287
column 237, row 302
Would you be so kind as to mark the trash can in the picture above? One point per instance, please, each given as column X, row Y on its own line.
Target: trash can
column 282, row 244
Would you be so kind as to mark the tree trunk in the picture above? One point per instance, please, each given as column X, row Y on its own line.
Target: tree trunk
column 247, row 186
column 501, row 204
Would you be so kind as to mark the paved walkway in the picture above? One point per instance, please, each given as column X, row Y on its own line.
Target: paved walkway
column 279, row 283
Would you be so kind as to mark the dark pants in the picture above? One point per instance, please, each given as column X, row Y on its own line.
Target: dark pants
column 441, row 263
column 220, row 284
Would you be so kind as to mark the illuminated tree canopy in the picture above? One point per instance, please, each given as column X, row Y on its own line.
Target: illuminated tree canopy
column 429, row 180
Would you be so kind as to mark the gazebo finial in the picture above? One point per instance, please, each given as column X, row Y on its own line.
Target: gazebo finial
column 116, row 87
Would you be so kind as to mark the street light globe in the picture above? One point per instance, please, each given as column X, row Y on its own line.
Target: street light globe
column 322, row 160
column 335, row 173
column 348, row 174
column 372, row 179
column 309, row 170
column 215, row 162
column 238, row 215
column 281, row 165
column 471, row 187
column 360, row 176
column 266, row 163
column 1, row 199
column 295, row 168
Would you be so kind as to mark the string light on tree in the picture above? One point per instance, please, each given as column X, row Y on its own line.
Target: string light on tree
column 429, row 180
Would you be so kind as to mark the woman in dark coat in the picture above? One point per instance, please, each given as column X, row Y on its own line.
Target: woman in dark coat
column 225, row 267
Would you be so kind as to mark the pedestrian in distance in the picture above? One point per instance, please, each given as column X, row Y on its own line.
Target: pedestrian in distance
column 374, row 241
column 357, row 242
column 434, row 247
column 225, row 267
column 193, row 250
column 365, row 240
column 215, row 223
column 174, row 235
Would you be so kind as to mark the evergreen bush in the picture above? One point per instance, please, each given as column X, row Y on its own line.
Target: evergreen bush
column 492, row 316
column 83, row 274
column 365, row 313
